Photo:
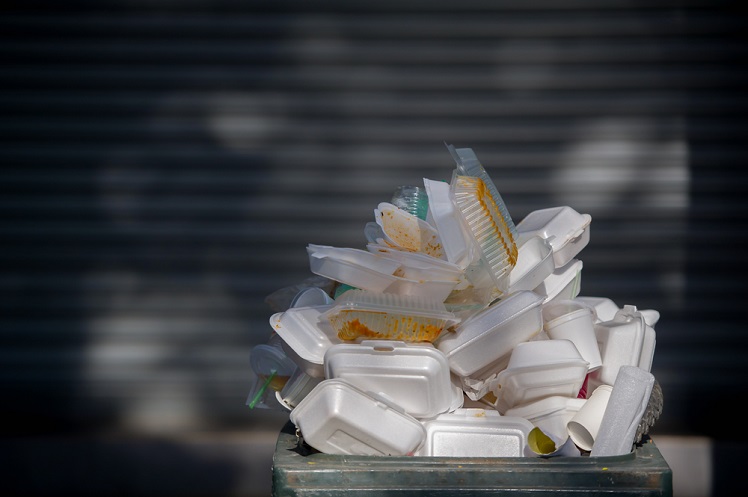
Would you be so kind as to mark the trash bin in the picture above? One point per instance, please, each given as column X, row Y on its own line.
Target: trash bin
column 297, row 472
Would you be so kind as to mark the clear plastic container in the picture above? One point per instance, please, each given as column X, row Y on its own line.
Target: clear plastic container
column 361, row 314
column 482, row 220
column 469, row 165
column 415, row 376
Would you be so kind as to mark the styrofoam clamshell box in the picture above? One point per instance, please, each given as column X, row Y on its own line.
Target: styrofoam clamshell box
column 415, row 376
column 488, row 337
column 626, row 340
column 475, row 432
column 566, row 230
column 540, row 369
column 306, row 337
column 355, row 267
column 534, row 264
column 337, row 417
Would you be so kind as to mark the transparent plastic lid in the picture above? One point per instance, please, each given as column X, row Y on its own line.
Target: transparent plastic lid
column 364, row 314
column 485, row 225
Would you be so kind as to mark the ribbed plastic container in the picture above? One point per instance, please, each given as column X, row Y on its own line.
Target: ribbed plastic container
column 482, row 220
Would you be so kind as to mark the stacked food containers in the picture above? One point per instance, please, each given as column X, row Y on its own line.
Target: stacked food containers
column 454, row 334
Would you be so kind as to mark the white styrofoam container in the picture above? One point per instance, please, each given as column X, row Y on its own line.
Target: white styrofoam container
column 415, row 376
column 418, row 266
column 350, row 272
column 563, row 283
column 488, row 337
column 458, row 246
column 626, row 340
column 550, row 414
column 566, row 230
column 338, row 418
column 534, row 265
column 305, row 336
column 369, row 271
column 475, row 432
column 605, row 309
column 539, row 369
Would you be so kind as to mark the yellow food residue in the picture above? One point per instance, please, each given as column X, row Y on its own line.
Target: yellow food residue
column 406, row 328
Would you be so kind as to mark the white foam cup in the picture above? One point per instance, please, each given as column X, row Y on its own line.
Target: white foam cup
column 574, row 321
column 583, row 427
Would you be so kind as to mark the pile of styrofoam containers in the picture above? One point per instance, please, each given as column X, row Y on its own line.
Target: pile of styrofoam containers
column 460, row 334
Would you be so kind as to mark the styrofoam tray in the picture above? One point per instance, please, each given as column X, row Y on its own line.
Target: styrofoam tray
column 534, row 264
column 489, row 336
column 339, row 418
column 540, row 369
column 305, row 336
column 475, row 432
column 566, row 230
column 416, row 377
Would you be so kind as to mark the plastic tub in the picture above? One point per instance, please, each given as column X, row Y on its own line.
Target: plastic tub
column 339, row 418
column 417, row 266
column 361, row 314
column 566, row 230
column 415, row 376
column 475, row 432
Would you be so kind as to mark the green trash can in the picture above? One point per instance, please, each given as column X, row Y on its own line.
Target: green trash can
column 296, row 472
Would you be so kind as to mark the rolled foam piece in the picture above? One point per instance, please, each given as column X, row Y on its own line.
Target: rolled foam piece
column 626, row 406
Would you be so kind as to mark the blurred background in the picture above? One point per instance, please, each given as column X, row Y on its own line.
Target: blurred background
column 165, row 164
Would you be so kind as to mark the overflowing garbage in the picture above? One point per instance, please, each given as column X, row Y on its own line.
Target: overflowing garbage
column 455, row 332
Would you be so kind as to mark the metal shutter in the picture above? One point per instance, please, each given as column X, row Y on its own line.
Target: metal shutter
column 166, row 163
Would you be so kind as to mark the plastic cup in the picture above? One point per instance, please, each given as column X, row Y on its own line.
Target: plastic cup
column 412, row 199
column 585, row 424
column 573, row 321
